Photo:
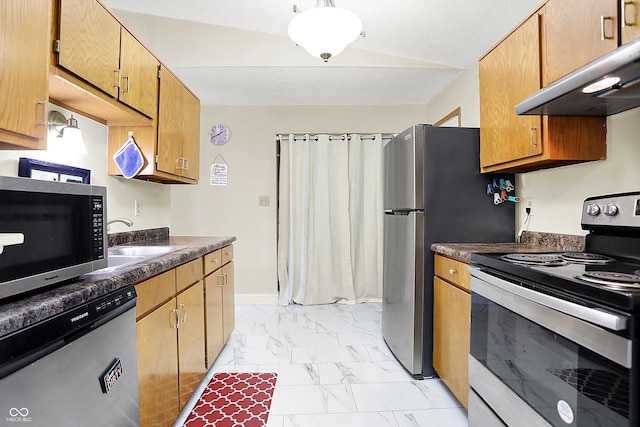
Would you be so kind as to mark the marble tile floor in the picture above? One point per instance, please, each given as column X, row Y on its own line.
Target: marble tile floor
column 334, row 369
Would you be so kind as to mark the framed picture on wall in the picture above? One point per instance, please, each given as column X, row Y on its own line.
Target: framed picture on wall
column 47, row 171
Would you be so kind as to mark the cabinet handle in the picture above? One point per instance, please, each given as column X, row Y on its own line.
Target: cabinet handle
column 623, row 11
column 452, row 271
column 603, row 33
column 117, row 78
column 185, row 163
column 44, row 113
column 127, row 86
column 225, row 279
column 532, row 136
column 177, row 323
column 181, row 163
column 184, row 310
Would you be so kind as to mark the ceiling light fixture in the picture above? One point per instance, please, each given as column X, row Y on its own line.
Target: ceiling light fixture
column 325, row 31
column 67, row 129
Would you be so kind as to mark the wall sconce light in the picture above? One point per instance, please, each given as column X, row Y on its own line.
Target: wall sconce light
column 67, row 129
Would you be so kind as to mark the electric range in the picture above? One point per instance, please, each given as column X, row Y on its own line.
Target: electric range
column 555, row 337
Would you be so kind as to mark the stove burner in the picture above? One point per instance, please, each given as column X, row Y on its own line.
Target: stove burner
column 586, row 258
column 549, row 260
column 613, row 279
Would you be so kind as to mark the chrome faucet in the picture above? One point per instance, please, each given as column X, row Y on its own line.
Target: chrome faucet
column 125, row 221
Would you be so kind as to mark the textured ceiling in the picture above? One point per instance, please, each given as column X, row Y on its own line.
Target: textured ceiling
column 237, row 52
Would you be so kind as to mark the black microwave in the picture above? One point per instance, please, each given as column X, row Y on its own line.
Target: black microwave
column 49, row 232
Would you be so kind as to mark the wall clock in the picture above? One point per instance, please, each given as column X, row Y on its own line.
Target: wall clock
column 218, row 134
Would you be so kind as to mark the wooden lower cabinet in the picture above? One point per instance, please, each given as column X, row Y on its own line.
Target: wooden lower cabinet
column 451, row 326
column 182, row 322
column 220, row 300
column 191, row 354
column 158, row 366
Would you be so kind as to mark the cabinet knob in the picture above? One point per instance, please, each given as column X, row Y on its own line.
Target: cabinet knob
column 452, row 271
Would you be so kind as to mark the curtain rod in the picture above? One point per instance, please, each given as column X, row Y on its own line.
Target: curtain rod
column 332, row 137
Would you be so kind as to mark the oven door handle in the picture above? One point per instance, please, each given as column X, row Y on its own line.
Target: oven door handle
column 599, row 317
column 577, row 328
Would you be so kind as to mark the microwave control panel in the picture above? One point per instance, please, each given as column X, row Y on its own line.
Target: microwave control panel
column 97, row 231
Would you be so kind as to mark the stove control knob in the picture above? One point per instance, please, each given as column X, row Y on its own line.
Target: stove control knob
column 610, row 209
column 593, row 210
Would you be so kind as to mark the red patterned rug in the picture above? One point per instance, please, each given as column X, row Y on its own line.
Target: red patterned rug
column 234, row 400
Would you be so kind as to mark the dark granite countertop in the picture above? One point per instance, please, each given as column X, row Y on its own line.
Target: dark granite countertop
column 530, row 242
column 16, row 314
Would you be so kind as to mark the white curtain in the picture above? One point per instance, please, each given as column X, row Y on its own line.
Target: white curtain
column 330, row 219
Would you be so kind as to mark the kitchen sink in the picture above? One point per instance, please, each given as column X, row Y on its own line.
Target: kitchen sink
column 122, row 256
column 142, row 251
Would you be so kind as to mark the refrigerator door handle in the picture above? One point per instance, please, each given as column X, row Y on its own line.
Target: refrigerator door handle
column 404, row 212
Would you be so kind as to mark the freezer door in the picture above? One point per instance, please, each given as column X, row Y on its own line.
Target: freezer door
column 402, row 291
column 403, row 171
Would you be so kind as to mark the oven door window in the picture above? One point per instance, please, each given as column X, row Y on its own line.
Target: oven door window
column 565, row 383
column 56, row 228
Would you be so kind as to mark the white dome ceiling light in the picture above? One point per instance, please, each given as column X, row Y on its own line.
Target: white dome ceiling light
column 325, row 31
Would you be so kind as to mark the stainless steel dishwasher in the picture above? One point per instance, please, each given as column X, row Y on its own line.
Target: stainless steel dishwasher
column 78, row 368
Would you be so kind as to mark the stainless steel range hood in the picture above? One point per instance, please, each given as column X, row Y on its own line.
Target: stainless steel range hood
column 585, row 92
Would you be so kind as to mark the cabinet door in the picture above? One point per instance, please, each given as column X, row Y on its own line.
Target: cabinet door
column 214, row 316
column 451, row 335
column 158, row 366
column 191, row 149
column 24, row 71
column 191, row 340
column 508, row 74
column 170, row 123
column 228, row 300
column 90, row 43
column 576, row 33
column 138, row 76
column 629, row 20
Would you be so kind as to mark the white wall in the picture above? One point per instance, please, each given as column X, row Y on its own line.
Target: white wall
column 557, row 194
column 154, row 198
column 251, row 157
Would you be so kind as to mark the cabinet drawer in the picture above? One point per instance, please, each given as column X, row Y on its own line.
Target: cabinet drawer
column 212, row 261
column 155, row 291
column 188, row 274
column 453, row 271
column 227, row 254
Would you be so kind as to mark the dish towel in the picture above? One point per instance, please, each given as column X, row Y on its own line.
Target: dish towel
column 129, row 158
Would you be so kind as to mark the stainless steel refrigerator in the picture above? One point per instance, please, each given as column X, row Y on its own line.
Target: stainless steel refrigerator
column 433, row 192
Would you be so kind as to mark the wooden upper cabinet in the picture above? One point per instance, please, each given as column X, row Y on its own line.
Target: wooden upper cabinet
column 577, row 32
column 629, row 20
column 24, row 73
column 94, row 46
column 138, row 75
column 178, row 128
column 90, row 43
column 191, row 149
column 170, row 123
column 508, row 74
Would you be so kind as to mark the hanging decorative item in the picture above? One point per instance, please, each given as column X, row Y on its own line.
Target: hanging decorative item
column 219, row 172
column 129, row 158
column 219, row 134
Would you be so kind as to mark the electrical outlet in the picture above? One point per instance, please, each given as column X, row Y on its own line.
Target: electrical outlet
column 528, row 203
column 263, row 200
column 136, row 208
